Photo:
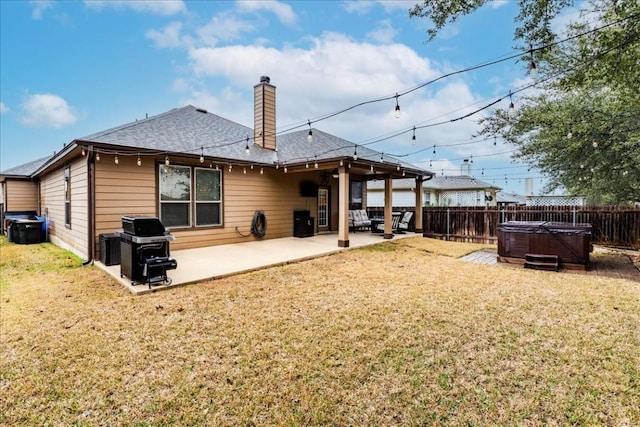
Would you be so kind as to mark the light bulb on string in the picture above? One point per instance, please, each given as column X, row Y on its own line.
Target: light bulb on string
column 511, row 105
column 244, row 170
column 355, row 152
column 434, row 149
column 230, row 168
column 98, row 157
column 139, row 161
column 397, row 111
column 569, row 134
column 201, row 154
column 532, row 64
column 115, row 159
column 261, row 171
column 430, row 163
column 166, row 160
column 381, row 157
column 307, row 164
column 285, row 167
column 494, row 140
column 315, row 164
column 413, row 138
column 398, row 167
column 310, row 134
column 83, row 152
column 246, row 147
column 341, row 162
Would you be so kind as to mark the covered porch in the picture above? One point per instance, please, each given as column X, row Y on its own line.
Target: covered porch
column 214, row 262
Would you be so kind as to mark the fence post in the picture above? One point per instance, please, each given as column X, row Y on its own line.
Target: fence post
column 448, row 231
column 574, row 216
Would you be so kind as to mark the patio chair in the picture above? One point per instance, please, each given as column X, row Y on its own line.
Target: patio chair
column 395, row 223
column 403, row 225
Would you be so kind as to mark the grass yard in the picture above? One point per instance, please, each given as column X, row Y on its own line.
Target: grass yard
column 400, row 333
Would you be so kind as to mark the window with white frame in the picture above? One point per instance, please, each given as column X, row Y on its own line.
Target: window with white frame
column 190, row 196
column 67, row 196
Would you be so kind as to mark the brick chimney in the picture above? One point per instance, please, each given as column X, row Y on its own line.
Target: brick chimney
column 264, row 114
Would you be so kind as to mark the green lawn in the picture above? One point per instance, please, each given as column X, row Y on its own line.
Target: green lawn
column 401, row 333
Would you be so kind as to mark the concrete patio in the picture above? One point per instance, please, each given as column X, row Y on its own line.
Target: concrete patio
column 214, row 262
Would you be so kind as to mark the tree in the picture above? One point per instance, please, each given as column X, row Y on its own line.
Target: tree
column 581, row 123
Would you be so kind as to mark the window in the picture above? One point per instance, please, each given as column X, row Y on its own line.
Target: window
column 208, row 200
column 175, row 196
column 67, row 196
column 190, row 196
column 356, row 195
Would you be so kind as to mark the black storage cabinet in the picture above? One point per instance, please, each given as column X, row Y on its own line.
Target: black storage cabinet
column 110, row 248
column 303, row 224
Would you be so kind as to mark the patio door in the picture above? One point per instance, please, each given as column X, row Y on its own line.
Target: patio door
column 323, row 209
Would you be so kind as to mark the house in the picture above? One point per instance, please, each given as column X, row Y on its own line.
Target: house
column 461, row 190
column 510, row 199
column 204, row 176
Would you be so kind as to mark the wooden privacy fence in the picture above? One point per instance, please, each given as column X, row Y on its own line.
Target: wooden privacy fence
column 617, row 226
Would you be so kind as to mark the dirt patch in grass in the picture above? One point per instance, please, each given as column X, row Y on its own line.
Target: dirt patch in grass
column 398, row 334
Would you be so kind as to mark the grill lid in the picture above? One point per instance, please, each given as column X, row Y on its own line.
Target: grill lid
column 143, row 226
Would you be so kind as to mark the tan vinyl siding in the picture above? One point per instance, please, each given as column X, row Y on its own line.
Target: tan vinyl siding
column 21, row 195
column 275, row 193
column 123, row 189
column 127, row 189
column 74, row 237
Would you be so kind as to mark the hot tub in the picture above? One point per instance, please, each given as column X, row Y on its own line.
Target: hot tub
column 571, row 243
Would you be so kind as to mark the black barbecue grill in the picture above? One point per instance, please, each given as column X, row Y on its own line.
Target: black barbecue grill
column 144, row 250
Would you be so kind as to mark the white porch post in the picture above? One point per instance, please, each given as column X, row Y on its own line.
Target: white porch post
column 419, row 193
column 388, row 208
column 343, row 207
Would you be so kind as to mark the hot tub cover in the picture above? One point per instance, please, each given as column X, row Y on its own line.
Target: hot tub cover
column 545, row 227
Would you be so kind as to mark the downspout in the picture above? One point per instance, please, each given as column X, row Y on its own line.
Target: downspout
column 91, row 241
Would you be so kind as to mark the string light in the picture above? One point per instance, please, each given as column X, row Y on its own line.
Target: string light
column 494, row 140
column 115, row 159
column 397, row 112
column 310, row 134
column 434, row 149
column 246, row 147
column 98, row 157
column 166, row 160
column 244, row 170
column 139, row 161
column 511, row 105
column 83, row 153
column 355, row 152
column 315, row 165
column 285, row 167
column 230, row 167
column 201, row 154
column 261, row 171
column 307, row 164
column 381, row 157
column 413, row 138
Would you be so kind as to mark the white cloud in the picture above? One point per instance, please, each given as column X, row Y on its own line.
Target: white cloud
column 169, row 36
column 384, row 34
column 47, row 110
column 156, row 7
column 362, row 7
column 283, row 11
column 223, row 27
column 39, row 7
column 3, row 108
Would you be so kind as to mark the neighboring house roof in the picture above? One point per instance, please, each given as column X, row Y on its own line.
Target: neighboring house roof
column 25, row 170
column 504, row 197
column 460, row 182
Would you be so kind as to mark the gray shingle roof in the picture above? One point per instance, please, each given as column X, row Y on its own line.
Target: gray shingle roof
column 190, row 130
column 187, row 130
column 294, row 148
column 25, row 169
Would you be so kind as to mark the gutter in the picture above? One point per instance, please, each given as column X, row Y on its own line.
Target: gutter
column 91, row 232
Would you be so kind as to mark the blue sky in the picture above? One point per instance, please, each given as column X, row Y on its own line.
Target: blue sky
column 70, row 69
